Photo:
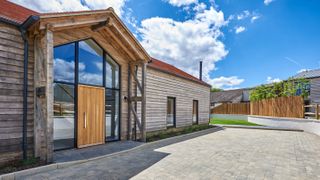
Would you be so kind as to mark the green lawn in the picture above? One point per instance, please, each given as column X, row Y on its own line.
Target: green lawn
column 231, row 122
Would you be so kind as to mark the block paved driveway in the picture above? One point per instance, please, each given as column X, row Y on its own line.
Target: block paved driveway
column 225, row 154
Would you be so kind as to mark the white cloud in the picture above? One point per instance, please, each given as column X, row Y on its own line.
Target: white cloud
column 184, row 43
column 72, row 5
column 200, row 7
column 226, row 82
column 63, row 70
column 254, row 18
column 239, row 29
column 272, row 80
column 180, row 3
column 243, row 15
column 267, row 2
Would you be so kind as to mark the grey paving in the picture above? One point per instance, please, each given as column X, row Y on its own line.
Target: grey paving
column 227, row 154
column 94, row 151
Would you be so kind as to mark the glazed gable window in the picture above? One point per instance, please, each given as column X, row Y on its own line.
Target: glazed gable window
column 90, row 63
column 64, row 63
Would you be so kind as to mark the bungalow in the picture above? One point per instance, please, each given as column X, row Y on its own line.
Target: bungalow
column 313, row 88
column 230, row 96
column 77, row 79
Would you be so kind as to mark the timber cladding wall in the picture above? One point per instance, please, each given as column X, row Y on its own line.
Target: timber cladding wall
column 279, row 107
column 162, row 85
column 11, row 94
column 315, row 90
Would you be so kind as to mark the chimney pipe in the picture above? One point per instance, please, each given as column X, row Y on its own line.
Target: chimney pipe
column 200, row 72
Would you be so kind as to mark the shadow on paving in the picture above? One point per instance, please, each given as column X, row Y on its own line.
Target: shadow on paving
column 93, row 151
column 121, row 166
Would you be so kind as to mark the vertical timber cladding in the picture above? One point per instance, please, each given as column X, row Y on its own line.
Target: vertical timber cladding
column 91, row 116
column 11, row 94
column 315, row 90
column 161, row 85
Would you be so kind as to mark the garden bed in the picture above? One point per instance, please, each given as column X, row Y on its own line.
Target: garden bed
column 21, row 165
column 163, row 134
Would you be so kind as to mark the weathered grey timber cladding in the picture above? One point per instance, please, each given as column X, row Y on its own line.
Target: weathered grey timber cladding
column 315, row 90
column 11, row 94
column 161, row 85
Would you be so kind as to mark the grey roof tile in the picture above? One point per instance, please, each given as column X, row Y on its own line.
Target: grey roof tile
column 308, row 74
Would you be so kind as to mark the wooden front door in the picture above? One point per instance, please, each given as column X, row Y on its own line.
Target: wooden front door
column 91, row 116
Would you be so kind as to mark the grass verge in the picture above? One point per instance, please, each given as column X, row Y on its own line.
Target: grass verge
column 232, row 122
column 163, row 134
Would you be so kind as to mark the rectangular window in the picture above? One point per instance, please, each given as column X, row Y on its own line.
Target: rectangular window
column 195, row 112
column 171, row 112
column 63, row 117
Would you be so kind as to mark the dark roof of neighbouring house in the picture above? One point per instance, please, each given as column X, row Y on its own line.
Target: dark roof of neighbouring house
column 170, row 69
column 235, row 95
column 14, row 12
column 308, row 74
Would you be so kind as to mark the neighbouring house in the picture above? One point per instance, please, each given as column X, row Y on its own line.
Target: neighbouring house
column 313, row 76
column 77, row 79
column 230, row 96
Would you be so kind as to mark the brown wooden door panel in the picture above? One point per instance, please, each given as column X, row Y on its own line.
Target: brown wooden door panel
column 91, row 116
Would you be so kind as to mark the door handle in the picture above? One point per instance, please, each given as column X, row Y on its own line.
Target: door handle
column 85, row 120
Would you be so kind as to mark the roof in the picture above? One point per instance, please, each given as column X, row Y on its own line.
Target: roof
column 14, row 12
column 170, row 69
column 308, row 74
column 234, row 96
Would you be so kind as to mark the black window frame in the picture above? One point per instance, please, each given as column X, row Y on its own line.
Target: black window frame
column 174, row 111
column 76, row 83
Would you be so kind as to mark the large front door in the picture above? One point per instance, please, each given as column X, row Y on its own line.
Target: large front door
column 91, row 116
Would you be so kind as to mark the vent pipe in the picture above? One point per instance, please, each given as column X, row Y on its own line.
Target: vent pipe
column 200, row 71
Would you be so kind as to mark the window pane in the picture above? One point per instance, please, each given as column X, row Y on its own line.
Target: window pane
column 63, row 63
column 112, row 114
column 170, row 111
column 90, row 63
column 195, row 112
column 112, row 73
column 63, row 119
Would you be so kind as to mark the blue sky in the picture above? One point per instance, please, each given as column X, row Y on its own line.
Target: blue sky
column 242, row 43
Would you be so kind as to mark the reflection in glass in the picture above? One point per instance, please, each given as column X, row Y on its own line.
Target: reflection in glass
column 90, row 63
column 171, row 111
column 63, row 63
column 112, row 73
column 112, row 114
column 63, row 118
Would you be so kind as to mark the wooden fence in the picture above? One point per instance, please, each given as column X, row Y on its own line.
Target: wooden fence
column 232, row 108
column 279, row 107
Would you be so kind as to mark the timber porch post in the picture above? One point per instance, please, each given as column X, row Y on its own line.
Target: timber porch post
column 143, row 102
column 43, row 79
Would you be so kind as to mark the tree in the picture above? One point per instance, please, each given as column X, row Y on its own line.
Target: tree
column 216, row 90
column 290, row 87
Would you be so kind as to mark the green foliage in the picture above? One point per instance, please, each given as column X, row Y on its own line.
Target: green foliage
column 290, row 87
column 216, row 90
column 163, row 134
